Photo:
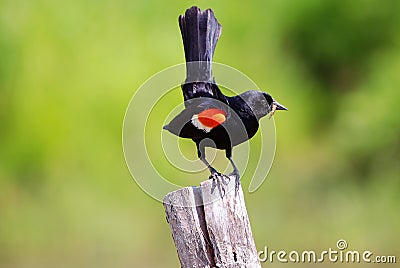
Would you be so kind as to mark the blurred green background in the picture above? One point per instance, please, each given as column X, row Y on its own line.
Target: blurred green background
column 69, row 68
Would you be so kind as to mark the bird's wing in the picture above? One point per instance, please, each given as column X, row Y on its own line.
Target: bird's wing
column 208, row 119
column 197, row 120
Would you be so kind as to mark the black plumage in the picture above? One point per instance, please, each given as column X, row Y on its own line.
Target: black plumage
column 210, row 118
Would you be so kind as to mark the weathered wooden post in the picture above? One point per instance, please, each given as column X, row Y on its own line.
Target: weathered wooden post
column 210, row 231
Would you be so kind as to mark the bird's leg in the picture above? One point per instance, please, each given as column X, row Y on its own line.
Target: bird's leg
column 215, row 175
column 212, row 170
column 236, row 174
column 218, row 178
column 235, row 171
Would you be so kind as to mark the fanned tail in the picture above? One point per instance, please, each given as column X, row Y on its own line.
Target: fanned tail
column 200, row 33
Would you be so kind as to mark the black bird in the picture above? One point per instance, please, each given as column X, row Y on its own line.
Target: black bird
column 210, row 118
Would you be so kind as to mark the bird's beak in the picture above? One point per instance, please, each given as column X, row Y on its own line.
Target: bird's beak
column 276, row 106
column 279, row 106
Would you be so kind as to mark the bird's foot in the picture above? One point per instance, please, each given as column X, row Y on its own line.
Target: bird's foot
column 236, row 174
column 220, row 181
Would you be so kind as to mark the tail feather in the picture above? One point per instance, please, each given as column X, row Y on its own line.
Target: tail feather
column 200, row 33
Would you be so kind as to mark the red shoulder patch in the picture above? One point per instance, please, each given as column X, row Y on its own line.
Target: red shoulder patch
column 211, row 118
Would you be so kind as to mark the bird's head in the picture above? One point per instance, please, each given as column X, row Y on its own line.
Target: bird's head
column 273, row 104
column 262, row 103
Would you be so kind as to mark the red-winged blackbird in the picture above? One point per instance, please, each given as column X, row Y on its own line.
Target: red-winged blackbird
column 210, row 118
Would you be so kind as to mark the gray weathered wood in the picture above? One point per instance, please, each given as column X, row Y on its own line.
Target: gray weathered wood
column 184, row 215
column 210, row 231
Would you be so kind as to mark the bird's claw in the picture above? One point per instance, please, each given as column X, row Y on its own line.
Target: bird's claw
column 237, row 185
column 219, row 181
column 237, row 180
